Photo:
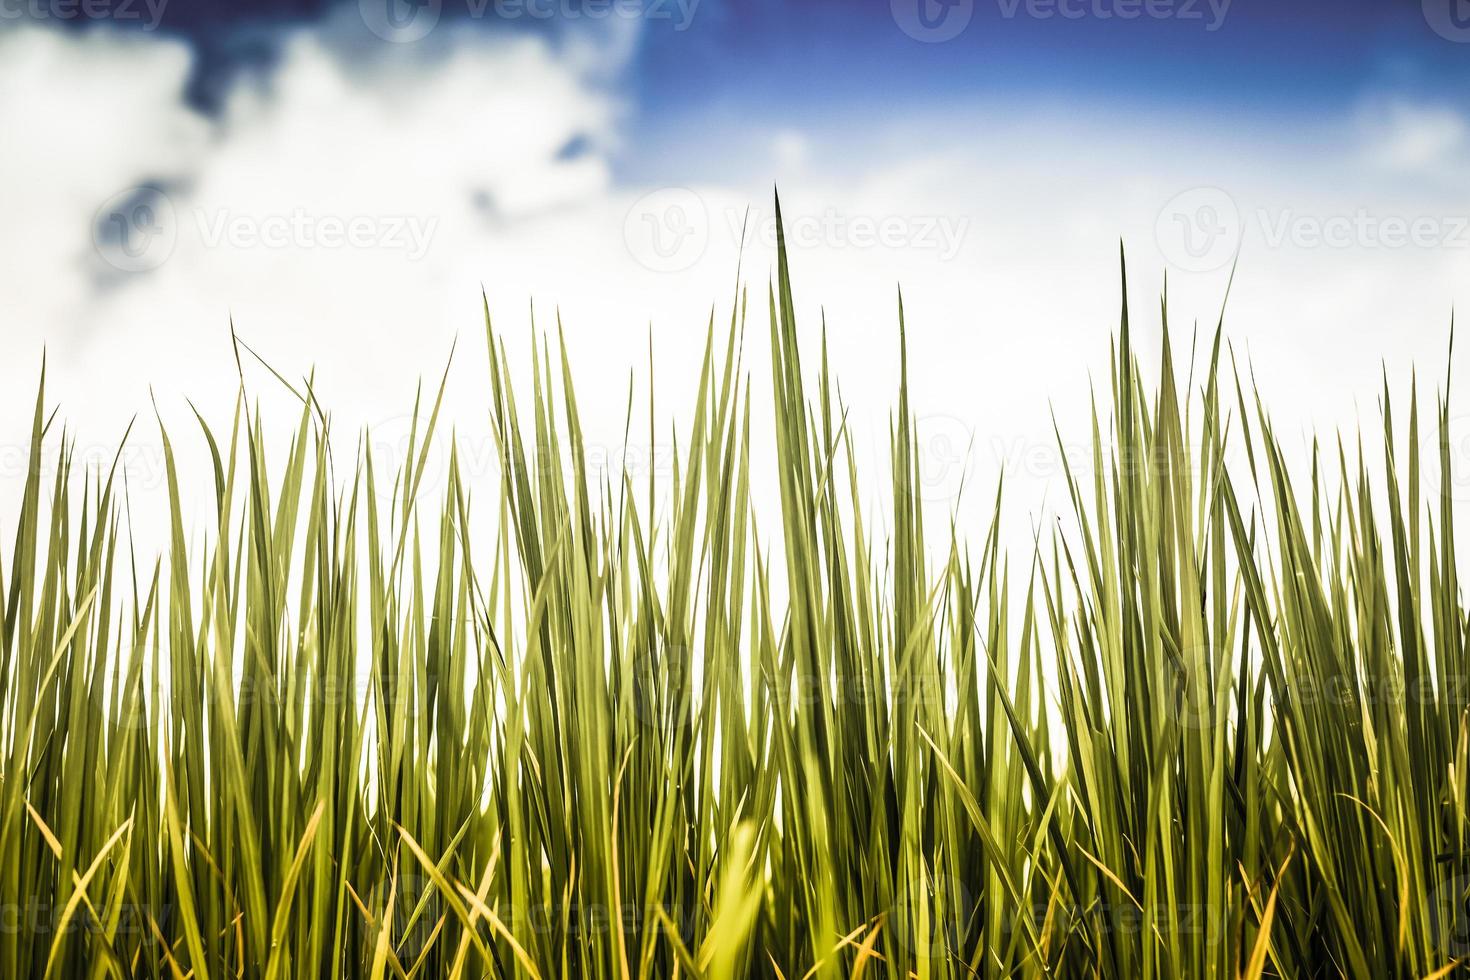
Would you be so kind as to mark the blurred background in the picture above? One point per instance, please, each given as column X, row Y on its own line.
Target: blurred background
column 342, row 180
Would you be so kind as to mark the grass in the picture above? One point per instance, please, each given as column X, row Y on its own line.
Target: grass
column 1217, row 729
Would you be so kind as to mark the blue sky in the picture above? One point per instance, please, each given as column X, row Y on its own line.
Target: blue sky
column 988, row 157
column 844, row 54
column 832, row 64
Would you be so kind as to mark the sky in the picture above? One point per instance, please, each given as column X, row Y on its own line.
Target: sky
column 341, row 180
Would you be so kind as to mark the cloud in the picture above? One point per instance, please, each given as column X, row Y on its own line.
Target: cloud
column 1417, row 138
column 343, row 207
column 83, row 115
column 346, row 205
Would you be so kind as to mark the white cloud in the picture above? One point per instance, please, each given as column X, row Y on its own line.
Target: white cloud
column 790, row 150
column 1005, row 241
column 81, row 116
column 345, row 209
column 1417, row 138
